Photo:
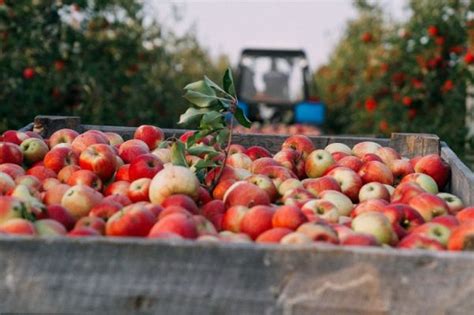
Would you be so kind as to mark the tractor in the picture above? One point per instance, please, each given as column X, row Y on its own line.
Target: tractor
column 273, row 87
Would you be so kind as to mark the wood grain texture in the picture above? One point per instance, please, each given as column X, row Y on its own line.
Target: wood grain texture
column 45, row 125
column 414, row 144
column 462, row 178
column 124, row 276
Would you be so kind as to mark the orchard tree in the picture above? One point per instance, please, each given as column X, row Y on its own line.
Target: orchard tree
column 411, row 76
column 97, row 59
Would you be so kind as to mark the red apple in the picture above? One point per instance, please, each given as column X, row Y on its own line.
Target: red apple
column 273, row 235
column 177, row 223
column 245, row 194
column 120, row 187
column 405, row 192
column 447, row 220
column 10, row 207
column 236, row 148
column 257, row 220
column 259, row 164
column 214, row 211
column 100, row 159
column 29, row 181
column 349, row 181
column 80, row 199
column 342, row 202
column 55, row 195
column 374, row 171
column 222, row 187
column 454, row 203
column 424, row 181
column 151, row 135
column 400, row 169
column 14, row 136
column 62, row 136
column 88, row 138
column 300, row 143
column 317, row 163
column 105, row 209
column 182, row 201
column 60, row 157
column 317, row 209
column 429, row 205
column 131, row 149
column 60, row 214
column 337, row 156
column 48, row 227
column 122, row 199
column 41, row 172
column 292, row 160
column 404, row 218
column 18, row 226
column 92, row 222
column 239, row 160
column 7, row 183
column 139, row 190
column 370, row 157
column 363, row 148
column 10, row 153
column 85, row 177
column 297, row 197
column 373, row 190
column 66, row 172
column 319, row 232
column 173, row 180
column 289, row 184
column 257, row 152
column 11, row 169
column 466, row 214
column 434, row 166
column 295, row 238
column 387, row 155
column 132, row 220
column 435, row 231
column 265, row 183
column 115, row 140
column 289, row 217
column 318, row 185
column 204, row 226
column 338, row 147
column 462, row 237
column 368, row 205
column 360, row 239
column 352, row 162
column 144, row 166
column 419, row 241
column 376, row 224
column 83, row 231
column 123, row 173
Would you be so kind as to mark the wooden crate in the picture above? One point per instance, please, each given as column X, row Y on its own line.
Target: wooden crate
column 127, row 275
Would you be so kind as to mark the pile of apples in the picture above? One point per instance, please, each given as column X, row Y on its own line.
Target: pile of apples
column 97, row 184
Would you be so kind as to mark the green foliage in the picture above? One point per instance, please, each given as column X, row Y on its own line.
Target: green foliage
column 385, row 77
column 96, row 59
column 213, row 109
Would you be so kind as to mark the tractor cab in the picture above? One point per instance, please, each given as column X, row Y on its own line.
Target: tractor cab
column 273, row 86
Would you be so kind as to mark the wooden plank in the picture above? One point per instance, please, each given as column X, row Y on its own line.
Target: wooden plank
column 124, row 276
column 462, row 178
column 414, row 144
column 46, row 125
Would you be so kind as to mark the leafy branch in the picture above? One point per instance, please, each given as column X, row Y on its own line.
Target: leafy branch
column 214, row 109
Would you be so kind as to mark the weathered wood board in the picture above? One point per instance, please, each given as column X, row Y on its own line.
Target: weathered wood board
column 125, row 276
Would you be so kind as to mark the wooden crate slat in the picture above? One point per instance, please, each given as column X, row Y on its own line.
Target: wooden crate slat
column 178, row 277
column 415, row 144
column 462, row 178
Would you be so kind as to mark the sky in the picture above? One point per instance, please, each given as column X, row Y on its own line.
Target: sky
column 228, row 26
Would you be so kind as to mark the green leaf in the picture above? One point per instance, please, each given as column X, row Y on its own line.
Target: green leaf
column 191, row 114
column 241, row 118
column 228, row 82
column 178, row 154
column 200, row 99
column 214, row 85
column 201, row 149
column 202, row 87
column 222, row 137
column 204, row 164
column 212, row 120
